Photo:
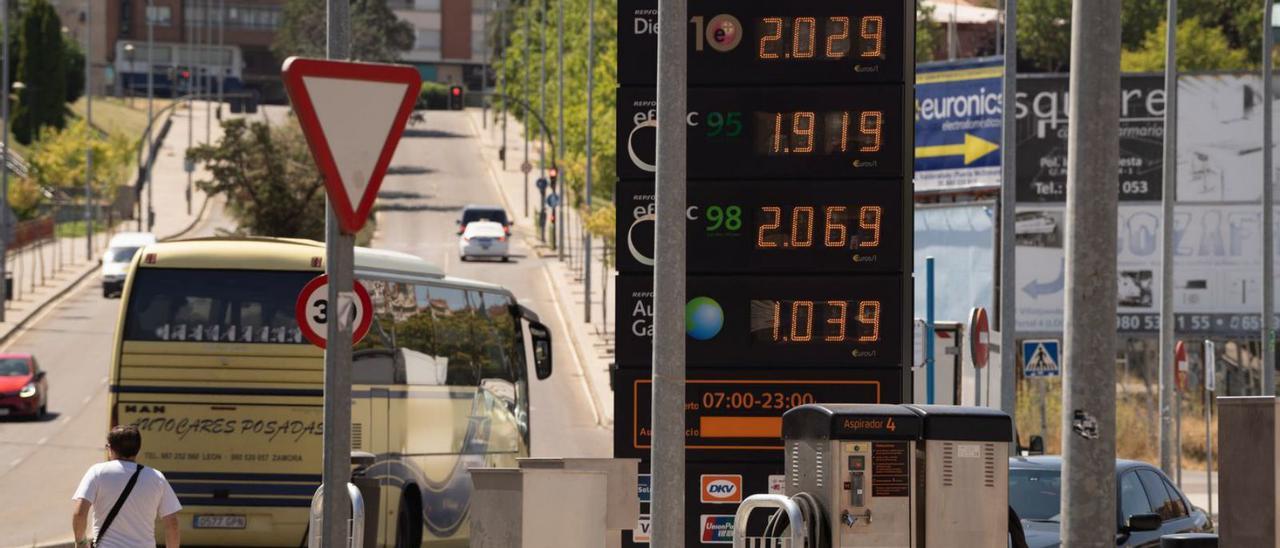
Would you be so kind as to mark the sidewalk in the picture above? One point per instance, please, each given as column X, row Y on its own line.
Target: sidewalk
column 593, row 339
column 44, row 273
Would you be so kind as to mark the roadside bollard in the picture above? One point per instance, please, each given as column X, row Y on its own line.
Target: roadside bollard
column 1189, row 540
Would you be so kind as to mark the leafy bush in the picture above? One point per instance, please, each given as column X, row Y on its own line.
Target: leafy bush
column 433, row 96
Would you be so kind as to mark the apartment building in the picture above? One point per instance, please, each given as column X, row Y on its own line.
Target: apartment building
column 449, row 44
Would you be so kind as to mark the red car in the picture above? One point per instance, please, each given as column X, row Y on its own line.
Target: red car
column 24, row 390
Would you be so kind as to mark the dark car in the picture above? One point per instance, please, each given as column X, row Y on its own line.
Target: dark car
column 473, row 213
column 24, row 391
column 1148, row 506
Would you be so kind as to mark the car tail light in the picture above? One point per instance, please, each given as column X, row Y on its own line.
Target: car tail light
column 506, row 229
column 502, row 238
column 466, row 239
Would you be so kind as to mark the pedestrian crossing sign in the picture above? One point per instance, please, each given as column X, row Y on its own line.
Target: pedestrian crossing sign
column 1040, row 358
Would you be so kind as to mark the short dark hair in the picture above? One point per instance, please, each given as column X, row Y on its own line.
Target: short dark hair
column 125, row 441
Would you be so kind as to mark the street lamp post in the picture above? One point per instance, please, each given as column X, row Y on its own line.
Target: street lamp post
column 129, row 51
column 4, row 168
column 151, row 70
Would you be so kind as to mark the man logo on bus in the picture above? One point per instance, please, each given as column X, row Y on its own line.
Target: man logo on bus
column 721, row 488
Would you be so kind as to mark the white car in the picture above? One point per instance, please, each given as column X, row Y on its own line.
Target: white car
column 115, row 262
column 483, row 239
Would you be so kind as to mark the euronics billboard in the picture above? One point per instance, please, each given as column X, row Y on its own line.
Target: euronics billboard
column 958, row 109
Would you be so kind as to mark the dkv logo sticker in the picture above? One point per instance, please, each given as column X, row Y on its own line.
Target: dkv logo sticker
column 721, row 489
column 717, row 529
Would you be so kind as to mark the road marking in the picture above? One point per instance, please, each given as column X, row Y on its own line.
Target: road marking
column 86, row 399
column 50, row 307
column 577, row 360
column 15, row 462
column 104, row 380
column 64, row 419
column 42, row 440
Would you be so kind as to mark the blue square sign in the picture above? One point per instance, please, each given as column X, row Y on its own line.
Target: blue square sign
column 1040, row 358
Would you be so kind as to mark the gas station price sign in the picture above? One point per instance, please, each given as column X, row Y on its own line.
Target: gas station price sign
column 772, row 321
column 766, row 227
column 732, row 413
column 773, row 132
column 807, row 41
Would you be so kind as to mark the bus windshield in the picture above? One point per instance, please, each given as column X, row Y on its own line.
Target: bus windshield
column 240, row 306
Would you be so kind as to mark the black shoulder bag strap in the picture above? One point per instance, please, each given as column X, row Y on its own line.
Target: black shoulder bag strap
column 111, row 516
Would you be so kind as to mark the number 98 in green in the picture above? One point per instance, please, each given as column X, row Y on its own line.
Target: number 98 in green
column 723, row 218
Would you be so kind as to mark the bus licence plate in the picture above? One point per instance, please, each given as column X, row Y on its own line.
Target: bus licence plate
column 219, row 522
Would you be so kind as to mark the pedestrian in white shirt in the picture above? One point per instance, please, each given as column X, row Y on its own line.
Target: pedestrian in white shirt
column 126, row 498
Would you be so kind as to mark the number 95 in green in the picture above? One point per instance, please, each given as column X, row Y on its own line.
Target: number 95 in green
column 724, row 124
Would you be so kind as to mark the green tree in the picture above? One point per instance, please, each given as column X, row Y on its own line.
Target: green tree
column 1044, row 29
column 927, row 33
column 58, row 159
column 75, row 69
column 377, row 35
column 42, row 69
column 266, row 172
column 1200, row 47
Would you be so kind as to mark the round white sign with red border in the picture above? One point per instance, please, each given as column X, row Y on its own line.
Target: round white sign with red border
column 313, row 311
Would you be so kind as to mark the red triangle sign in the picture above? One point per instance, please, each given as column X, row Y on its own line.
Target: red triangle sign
column 352, row 115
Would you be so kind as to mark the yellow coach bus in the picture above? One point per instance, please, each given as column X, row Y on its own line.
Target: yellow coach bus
column 211, row 366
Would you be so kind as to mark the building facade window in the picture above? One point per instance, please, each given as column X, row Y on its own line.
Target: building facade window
column 426, row 39
column 159, row 15
column 426, row 5
column 239, row 16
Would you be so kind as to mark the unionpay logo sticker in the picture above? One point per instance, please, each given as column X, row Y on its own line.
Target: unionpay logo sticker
column 721, row 488
column 717, row 529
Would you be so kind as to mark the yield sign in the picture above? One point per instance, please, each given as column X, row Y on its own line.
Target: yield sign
column 352, row 115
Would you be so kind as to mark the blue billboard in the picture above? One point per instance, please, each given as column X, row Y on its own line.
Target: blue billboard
column 958, row 125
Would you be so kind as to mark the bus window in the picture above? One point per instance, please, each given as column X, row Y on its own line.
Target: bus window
column 417, row 341
column 500, row 338
column 453, row 322
column 242, row 306
column 373, row 358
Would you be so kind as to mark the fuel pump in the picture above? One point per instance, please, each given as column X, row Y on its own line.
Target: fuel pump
column 887, row 476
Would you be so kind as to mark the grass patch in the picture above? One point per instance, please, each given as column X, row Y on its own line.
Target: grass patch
column 75, row 229
column 116, row 115
column 1137, row 420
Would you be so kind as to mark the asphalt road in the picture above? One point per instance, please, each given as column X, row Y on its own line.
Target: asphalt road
column 41, row 462
column 436, row 170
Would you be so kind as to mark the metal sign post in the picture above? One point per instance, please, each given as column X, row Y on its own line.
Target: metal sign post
column 1210, row 382
column 321, row 93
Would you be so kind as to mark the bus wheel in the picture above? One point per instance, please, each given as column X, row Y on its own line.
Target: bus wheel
column 409, row 520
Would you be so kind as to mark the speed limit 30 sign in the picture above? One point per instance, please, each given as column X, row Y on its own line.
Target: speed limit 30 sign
column 313, row 310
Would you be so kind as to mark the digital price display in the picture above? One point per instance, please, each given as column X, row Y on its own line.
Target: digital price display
column 729, row 411
column 763, row 226
column 844, row 321
column 846, row 132
column 735, row 43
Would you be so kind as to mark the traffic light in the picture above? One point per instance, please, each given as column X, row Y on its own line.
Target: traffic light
column 553, row 174
column 455, row 98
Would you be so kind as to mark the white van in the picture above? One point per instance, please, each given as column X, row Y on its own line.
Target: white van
column 115, row 262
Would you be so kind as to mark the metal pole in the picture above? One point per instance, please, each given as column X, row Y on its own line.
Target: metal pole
column 339, row 265
column 667, row 453
column 591, row 67
column 542, row 91
column 1093, row 154
column 484, row 72
column 1208, row 431
column 4, row 169
column 525, row 91
column 191, row 108
column 928, row 330
column 502, row 84
column 222, row 41
column 1170, row 176
column 206, row 83
column 151, row 69
column 1268, row 214
column 1008, row 237
column 88, row 117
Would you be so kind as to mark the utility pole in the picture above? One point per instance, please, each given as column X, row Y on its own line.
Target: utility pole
column 151, row 69
column 4, row 169
column 88, row 117
column 1008, row 210
column 528, row 52
column 1093, row 158
column 667, row 453
column 1268, row 214
column 192, row 60
column 206, row 83
column 1168, row 398
column 591, row 68
column 339, row 264
column 222, row 35
column 484, row 71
